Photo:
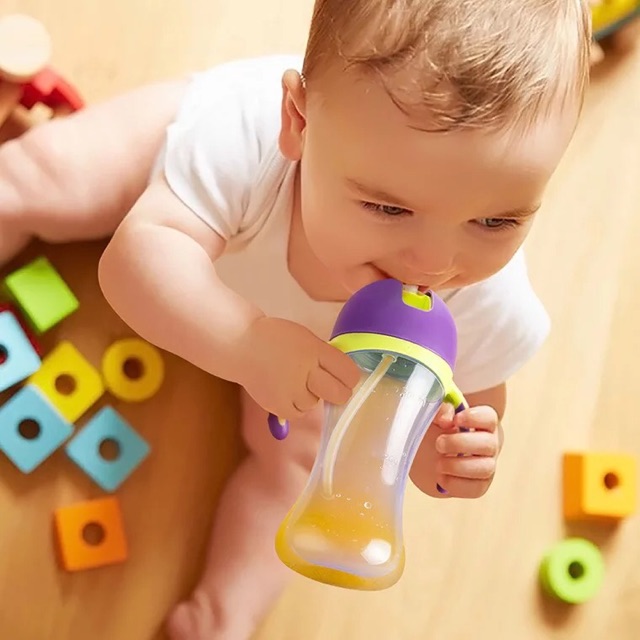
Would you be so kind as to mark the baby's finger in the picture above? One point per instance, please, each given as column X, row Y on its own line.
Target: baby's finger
column 479, row 443
column 305, row 400
column 481, row 418
column 472, row 468
column 323, row 385
column 444, row 416
column 339, row 365
column 463, row 487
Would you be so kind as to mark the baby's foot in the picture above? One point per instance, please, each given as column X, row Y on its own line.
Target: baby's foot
column 193, row 620
column 202, row 619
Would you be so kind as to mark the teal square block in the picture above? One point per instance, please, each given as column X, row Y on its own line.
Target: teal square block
column 31, row 429
column 42, row 295
column 18, row 358
column 84, row 449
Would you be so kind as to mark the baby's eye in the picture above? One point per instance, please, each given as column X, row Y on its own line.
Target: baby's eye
column 386, row 209
column 495, row 224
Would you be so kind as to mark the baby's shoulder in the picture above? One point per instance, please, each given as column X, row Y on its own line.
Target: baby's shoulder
column 221, row 156
column 257, row 68
column 253, row 85
column 229, row 118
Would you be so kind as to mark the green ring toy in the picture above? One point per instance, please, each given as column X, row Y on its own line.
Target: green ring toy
column 572, row 570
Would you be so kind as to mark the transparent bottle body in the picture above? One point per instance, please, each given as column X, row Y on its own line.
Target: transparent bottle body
column 346, row 527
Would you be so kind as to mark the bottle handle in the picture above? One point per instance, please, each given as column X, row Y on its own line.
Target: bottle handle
column 454, row 396
column 279, row 428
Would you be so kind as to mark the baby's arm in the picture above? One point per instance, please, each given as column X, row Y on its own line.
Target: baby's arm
column 158, row 275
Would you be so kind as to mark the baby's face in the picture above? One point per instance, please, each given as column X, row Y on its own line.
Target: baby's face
column 380, row 198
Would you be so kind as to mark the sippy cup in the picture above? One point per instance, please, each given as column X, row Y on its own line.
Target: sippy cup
column 346, row 527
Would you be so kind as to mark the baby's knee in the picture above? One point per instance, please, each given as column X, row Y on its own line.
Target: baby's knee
column 41, row 153
column 22, row 168
column 37, row 170
column 295, row 455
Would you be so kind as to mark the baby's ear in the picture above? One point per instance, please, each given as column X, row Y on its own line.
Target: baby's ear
column 293, row 118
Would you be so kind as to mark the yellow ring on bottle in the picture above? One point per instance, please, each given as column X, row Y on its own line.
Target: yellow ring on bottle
column 352, row 342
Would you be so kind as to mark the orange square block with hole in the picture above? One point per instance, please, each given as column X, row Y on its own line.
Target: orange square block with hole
column 599, row 486
column 91, row 534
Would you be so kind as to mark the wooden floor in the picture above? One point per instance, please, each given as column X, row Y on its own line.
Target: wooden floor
column 471, row 565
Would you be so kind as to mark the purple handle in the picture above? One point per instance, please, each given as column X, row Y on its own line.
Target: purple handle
column 279, row 429
column 460, row 407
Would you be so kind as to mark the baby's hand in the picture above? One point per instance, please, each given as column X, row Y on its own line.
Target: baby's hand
column 467, row 459
column 289, row 369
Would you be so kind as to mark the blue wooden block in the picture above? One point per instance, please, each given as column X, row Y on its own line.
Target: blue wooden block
column 52, row 429
column 84, row 449
column 18, row 358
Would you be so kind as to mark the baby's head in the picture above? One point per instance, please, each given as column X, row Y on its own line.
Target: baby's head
column 427, row 131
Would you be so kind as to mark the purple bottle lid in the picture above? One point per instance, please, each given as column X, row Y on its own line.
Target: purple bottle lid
column 380, row 308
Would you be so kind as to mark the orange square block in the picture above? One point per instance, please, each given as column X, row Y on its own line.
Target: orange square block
column 599, row 486
column 91, row 534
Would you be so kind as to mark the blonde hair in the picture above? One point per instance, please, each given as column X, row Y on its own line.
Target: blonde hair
column 469, row 63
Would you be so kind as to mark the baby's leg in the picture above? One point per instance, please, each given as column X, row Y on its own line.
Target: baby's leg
column 243, row 576
column 74, row 178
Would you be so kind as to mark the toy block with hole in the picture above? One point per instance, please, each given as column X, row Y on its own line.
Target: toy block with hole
column 572, row 571
column 68, row 381
column 41, row 294
column 10, row 308
column 18, row 358
column 25, row 49
column 90, row 534
column 599, row 486
column 31, row 429
column 52, row 90
column 107, row 449
column 133, row 370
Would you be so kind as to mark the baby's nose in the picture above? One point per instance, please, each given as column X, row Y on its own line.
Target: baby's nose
column 429, row 263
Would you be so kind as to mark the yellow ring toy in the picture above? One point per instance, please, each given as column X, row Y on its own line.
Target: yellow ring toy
column 120, row 369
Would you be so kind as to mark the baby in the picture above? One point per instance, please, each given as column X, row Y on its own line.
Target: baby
column 248, row 202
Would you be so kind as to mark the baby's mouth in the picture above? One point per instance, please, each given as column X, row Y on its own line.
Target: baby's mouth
column 422, row 288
